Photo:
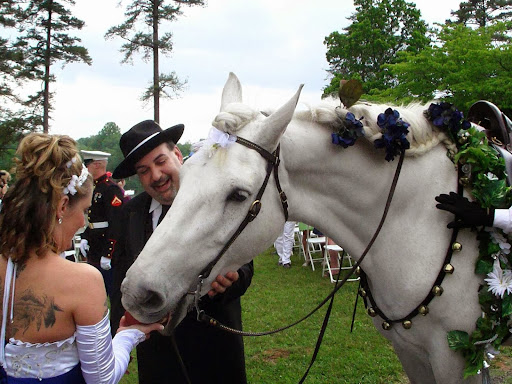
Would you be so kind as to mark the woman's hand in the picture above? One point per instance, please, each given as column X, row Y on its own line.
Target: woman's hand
column 129, row 322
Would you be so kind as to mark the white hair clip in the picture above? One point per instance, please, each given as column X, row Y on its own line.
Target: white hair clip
column 76, row 181
column 71, row 162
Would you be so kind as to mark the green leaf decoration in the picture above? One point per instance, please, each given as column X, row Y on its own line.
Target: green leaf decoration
column 485, row 178
column 350, row 92
column 483, row 267
column 458, row 340
column 472, row 369
column 506, row 305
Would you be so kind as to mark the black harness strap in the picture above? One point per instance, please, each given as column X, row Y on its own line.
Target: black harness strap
column 204, row 317
column 436, row 290
column 201, row 316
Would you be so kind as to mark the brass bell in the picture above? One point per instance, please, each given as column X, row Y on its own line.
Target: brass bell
column 386, row 326
column 437, row 290
column 448, row 268
column 362, row 292
column 464, row 181
column 358, row 271
column 407, row 324
column 372, row 312
column 457, row 247
column 423, row 310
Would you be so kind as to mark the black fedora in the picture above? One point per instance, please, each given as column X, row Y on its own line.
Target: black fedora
column 139, row 141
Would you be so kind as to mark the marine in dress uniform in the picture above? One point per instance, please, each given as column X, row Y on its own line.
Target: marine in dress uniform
column 97, row 243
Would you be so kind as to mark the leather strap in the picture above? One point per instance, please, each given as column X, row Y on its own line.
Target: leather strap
column 272, row 164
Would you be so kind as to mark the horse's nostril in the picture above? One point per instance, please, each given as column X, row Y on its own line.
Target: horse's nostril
column 153, row 300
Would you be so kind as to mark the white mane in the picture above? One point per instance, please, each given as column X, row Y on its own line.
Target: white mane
column 423, row 136
column 234, row 118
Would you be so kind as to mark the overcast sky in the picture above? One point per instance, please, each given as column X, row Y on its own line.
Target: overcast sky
column 271, row 45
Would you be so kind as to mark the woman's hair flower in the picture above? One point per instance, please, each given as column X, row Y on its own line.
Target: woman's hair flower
column 76, row 181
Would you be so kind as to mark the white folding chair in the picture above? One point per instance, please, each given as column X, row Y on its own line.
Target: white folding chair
column 314, row 248
column 297, row 237
column 344, row 261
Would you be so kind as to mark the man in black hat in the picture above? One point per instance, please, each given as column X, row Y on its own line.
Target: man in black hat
column 206, row 354
column 97, row 242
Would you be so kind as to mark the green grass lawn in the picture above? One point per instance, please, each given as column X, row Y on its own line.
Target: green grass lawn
column 279, row 296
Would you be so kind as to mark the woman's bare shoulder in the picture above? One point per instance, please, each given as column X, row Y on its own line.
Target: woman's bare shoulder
column 81, row 273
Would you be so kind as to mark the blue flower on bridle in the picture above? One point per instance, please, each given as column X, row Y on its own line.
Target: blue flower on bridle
column 445, row 116
column 394, row 133
column 351, row 130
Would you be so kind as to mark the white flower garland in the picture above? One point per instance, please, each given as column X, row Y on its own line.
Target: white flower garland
column 76, row 181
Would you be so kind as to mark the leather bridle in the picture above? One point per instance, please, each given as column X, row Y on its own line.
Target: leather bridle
column 273, row 161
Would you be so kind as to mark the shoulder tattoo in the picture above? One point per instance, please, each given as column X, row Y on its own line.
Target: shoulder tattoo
column 31, row 309
column 105, row 304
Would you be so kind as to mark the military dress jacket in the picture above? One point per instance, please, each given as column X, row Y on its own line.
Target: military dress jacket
column 209, row 354
column 107, row 200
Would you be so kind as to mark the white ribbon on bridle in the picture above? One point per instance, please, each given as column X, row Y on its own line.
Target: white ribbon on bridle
column 217, row 138
column 222, row 139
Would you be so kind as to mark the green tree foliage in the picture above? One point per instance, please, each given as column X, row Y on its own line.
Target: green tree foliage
column 7, row 153
column 43, row 28
column 380, row 30
column 185, row 148
column 14, row 118
column 141, row 32
column 9, row 55
column 107, row 140
column 482, row 13
column 465, row 66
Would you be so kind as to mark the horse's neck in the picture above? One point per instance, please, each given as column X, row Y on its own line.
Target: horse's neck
column 323, row 177
column 343, row 192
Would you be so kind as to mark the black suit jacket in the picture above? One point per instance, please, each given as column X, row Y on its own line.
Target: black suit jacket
column 209, row 354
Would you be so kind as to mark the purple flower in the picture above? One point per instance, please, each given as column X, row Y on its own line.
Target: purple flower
column 347, row 135
column 394, row 134
column 445, row 116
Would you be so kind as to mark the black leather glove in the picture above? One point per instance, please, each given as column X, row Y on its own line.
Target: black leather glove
column 467, row 213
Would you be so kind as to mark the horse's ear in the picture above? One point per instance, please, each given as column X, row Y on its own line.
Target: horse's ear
column 274, row 126
column 232, row 92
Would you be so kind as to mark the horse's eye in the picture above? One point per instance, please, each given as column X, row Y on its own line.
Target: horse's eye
column 238, row 196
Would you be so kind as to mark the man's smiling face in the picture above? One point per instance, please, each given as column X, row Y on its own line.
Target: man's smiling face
column 159, row 172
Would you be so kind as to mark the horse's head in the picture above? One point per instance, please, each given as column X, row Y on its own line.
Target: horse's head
column 218, row 186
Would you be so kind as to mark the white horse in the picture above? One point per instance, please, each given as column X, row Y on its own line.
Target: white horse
column 342, row 192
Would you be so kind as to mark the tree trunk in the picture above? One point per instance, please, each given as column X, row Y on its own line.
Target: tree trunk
column 156, row 73
column 46, row 98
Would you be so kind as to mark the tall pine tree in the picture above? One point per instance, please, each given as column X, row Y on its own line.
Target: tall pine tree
column 482, row 13
column 44, row 27
column 14, row 118
column 141, row 31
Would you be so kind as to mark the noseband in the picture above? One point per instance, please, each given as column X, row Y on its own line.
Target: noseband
column 272, row 165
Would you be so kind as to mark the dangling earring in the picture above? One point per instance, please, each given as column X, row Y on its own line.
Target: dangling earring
column 60, row 220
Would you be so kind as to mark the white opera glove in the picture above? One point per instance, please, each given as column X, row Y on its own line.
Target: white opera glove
column 105, row 263
column 103, row 360
column 84, row 247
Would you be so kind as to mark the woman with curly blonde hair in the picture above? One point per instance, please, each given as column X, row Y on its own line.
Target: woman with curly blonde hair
column 55, row 320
